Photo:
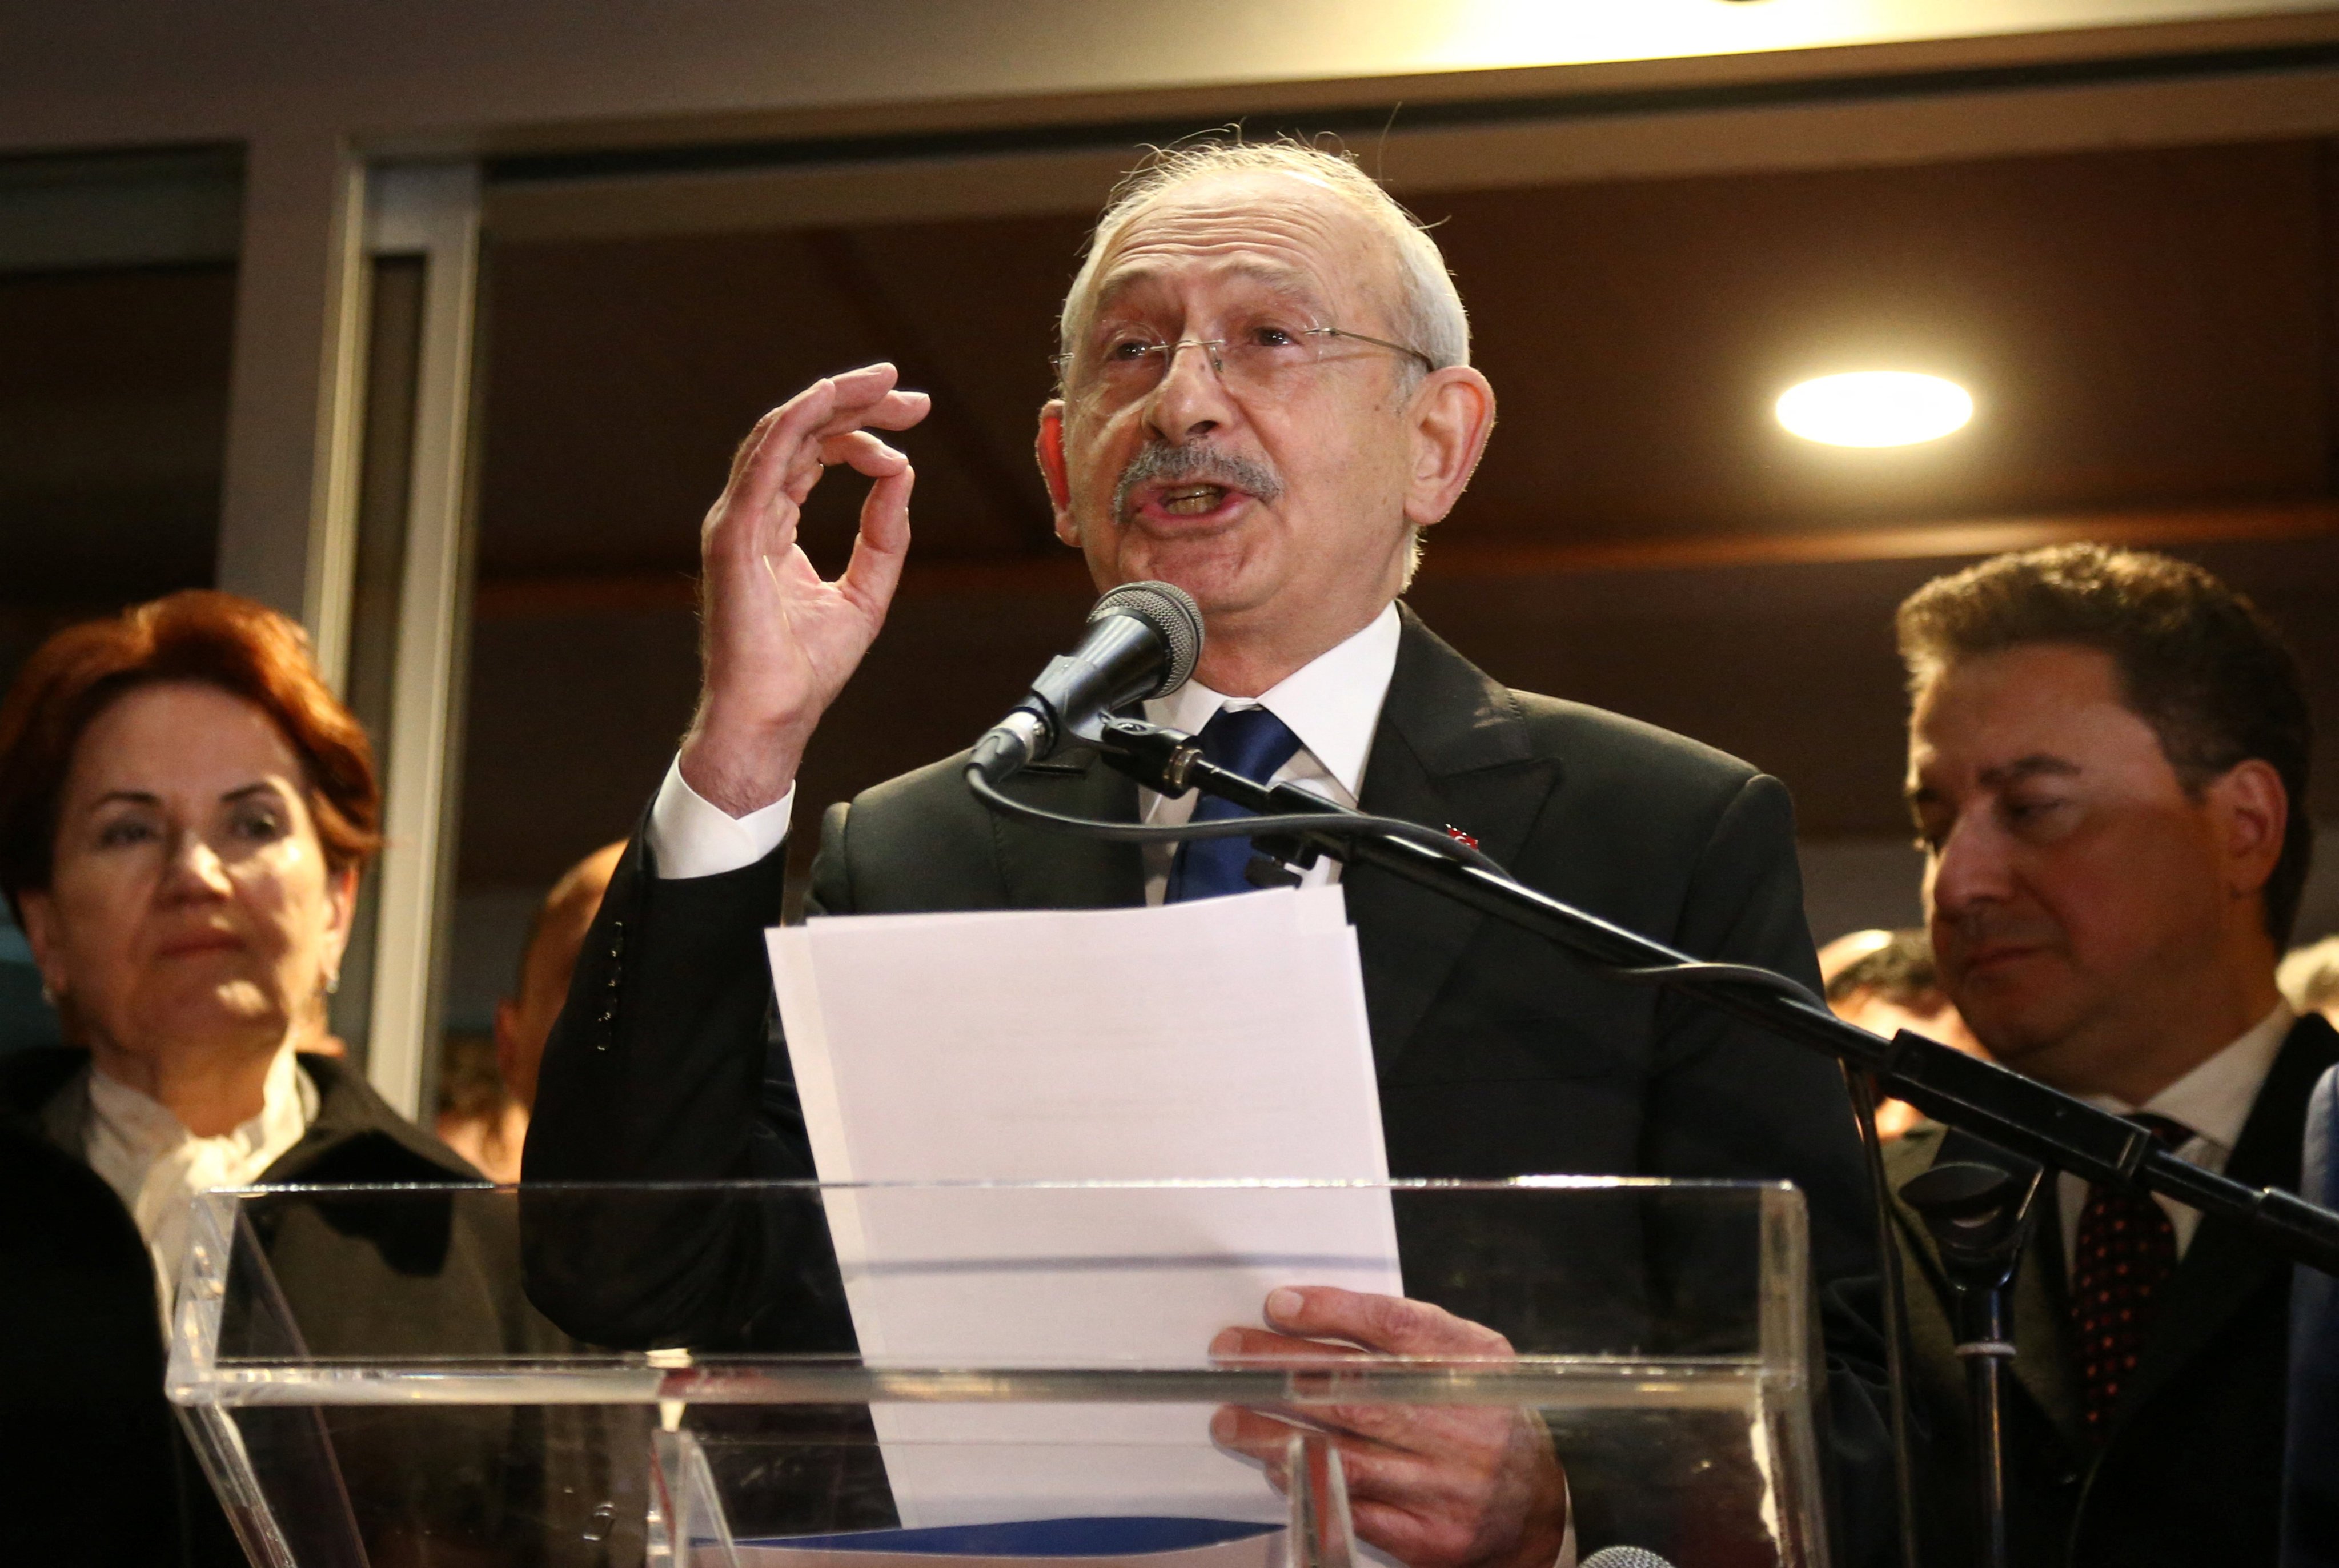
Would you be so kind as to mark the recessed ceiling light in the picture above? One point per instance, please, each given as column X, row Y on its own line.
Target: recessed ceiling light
column 1875, row 409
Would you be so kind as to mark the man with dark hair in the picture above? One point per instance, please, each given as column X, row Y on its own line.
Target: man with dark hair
column 2107, row 766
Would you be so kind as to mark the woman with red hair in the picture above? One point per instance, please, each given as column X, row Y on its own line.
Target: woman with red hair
column 184, row 812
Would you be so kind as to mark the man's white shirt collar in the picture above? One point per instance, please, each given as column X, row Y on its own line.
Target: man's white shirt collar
column 1333, row 702
column 2213, row 1100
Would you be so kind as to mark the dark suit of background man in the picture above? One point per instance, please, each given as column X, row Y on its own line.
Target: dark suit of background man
column 2108, row 761
column 1266, row 399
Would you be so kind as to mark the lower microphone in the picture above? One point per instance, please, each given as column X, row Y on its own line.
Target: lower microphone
column 1624, row 1557
column 1143, row 641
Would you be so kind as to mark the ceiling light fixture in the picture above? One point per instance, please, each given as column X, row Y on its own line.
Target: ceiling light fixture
column 1875, row 409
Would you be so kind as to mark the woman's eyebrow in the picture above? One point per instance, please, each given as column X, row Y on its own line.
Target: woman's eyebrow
column 126, row 797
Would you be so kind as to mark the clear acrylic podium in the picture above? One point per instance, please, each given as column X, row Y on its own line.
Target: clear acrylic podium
column 795, row 1387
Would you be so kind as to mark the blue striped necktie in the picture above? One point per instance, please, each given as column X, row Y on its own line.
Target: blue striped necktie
column 1253, row 742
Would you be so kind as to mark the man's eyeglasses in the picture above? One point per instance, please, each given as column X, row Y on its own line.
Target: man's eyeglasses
column 1256, row 359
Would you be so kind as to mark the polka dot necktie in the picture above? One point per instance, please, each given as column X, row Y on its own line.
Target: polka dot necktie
column 1255, row 744
column 2126, row 1251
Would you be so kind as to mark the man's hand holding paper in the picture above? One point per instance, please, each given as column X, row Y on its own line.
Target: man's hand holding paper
column 1434, row 1487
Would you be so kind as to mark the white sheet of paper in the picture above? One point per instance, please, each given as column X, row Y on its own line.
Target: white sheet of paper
column 1223, row 1039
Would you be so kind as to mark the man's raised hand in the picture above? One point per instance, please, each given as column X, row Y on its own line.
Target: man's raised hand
column 778, row 641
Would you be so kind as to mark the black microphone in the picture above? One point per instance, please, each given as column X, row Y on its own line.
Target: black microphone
column 1142, row 640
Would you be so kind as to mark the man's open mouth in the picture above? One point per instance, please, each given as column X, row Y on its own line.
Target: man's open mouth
column 1192, row 500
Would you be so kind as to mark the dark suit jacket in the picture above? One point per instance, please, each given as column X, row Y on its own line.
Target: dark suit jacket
column 1498, row 1056
column 2190, row 1470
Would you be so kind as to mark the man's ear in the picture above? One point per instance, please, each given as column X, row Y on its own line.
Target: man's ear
column 1050, row 450
column 2251, row 810
column 1451, row 415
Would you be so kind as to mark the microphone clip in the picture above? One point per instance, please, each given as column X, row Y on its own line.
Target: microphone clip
column 1159, row 758
column 1165, row 761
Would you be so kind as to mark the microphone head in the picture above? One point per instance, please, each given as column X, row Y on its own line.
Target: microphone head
column 1174, row 617
column 1624, row 1557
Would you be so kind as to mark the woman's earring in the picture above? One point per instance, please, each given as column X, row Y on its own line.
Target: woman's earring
column 48, row 997
column 332, row 980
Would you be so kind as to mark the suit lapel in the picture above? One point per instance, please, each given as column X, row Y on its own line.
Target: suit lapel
column 1042, row 869
column 2223, row 1269
column 1451, row 751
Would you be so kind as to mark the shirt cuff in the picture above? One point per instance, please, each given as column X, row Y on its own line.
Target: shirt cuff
column 691, row 836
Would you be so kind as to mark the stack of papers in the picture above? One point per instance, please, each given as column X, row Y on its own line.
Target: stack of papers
column 1220, row 1039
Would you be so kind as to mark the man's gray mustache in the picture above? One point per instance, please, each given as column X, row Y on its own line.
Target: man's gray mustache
column 1195, row 466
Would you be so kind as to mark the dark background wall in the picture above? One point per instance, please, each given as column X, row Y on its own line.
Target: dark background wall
column 112, row 416
column 2148, row 334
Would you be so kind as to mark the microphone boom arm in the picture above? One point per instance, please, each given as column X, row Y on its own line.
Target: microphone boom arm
column 2018, row 1114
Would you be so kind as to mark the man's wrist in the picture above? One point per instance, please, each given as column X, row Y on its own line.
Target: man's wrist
column 737, row 773
column 689, row 836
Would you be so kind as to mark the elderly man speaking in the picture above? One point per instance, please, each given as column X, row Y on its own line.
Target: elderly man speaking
column 1266, row 399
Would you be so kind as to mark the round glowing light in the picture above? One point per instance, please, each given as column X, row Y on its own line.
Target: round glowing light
column 1875, row 409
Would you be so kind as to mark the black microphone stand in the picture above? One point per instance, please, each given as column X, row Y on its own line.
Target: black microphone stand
column 1994, row 1103
column 1980, row 1218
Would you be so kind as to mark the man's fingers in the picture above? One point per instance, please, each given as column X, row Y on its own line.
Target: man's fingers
column 1390, row 1324
column 1264, row 1344
column 1464, row 1434
column 1258, row 1436
column 761, row 471
column 869, row 397
column 897, row 410
column 862, row 452
column 1371, row 1470
column 833, row 406
column 749, row 444
column 882, row 546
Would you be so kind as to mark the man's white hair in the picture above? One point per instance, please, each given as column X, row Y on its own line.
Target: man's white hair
column 1428, row 314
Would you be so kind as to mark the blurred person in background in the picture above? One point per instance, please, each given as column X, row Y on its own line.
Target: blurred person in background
column 2309, row 978
column 1885, row 981
column 2107, row 766
column 184, row 812
column 488, row 1098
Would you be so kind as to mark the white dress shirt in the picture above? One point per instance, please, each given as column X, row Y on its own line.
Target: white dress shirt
column 2214, row 1100
column 1333, row 704
column 157, row 1167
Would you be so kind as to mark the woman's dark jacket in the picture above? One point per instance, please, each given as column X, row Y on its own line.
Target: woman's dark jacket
column 100, row 1472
